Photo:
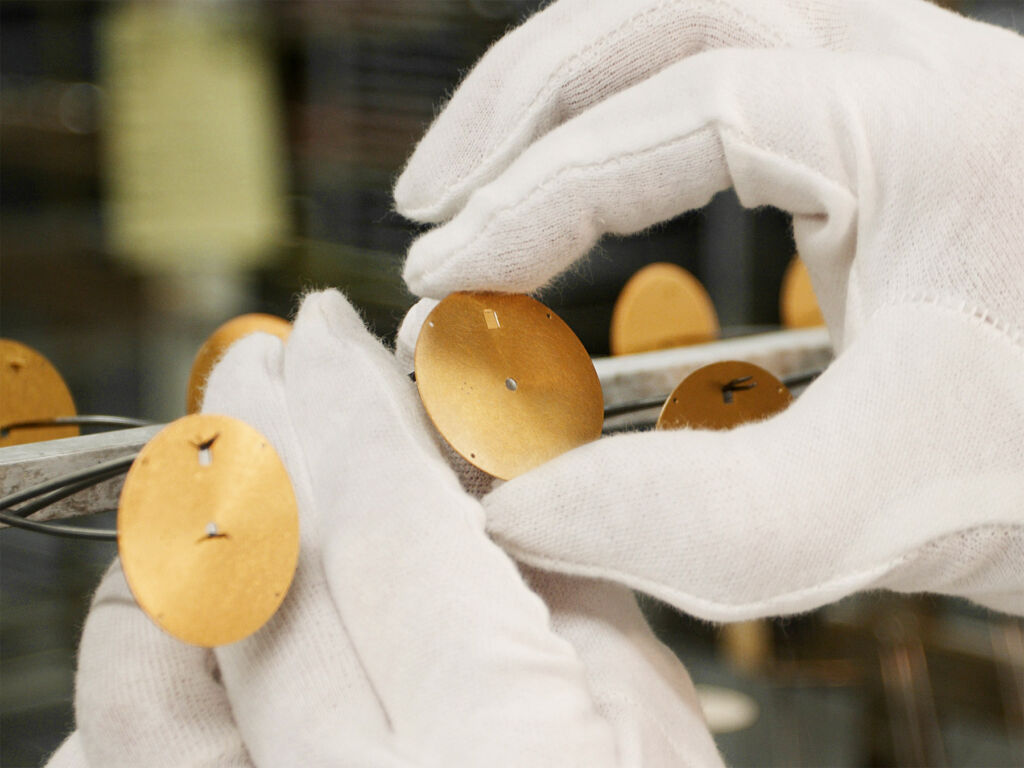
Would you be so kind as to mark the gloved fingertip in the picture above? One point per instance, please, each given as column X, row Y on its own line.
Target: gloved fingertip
column 329, row 331
column 424, row 193
column 409, row 331
column 414, row 203
column 329, row 309
column 420, row 275
column 256, row 355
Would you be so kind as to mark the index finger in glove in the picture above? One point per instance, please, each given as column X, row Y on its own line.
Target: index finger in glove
column 576, row 53
column 665, row 146
column 458, row 648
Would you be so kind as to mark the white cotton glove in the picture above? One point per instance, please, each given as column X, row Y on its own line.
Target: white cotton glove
column 143, row 698
column 407, row 637
column 638, row 685
column 69, row 754
column 891, row 130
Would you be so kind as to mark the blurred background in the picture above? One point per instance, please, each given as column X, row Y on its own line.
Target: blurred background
column 165, row 166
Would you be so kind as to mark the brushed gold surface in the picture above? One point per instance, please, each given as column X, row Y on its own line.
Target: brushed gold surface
column 506, row 382
column 31, row 389
column 700, row 403
column 661, row 306
column 798, row 306
column 207, row 589
column 217, row 344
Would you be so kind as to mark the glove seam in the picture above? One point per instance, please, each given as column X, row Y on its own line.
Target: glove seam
column 728, row 612
column 560, row 74
column 974, row 311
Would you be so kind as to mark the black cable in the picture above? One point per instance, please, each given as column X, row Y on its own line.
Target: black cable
column 59, row 482
column 44, row 494
column 41, row 502
column 52, row 491
column 68, row 531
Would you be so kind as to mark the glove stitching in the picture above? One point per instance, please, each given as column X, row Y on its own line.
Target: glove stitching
column 574, row 63
column 583, row 170
column 841, row 585
column 690, row 603
column 962, row 306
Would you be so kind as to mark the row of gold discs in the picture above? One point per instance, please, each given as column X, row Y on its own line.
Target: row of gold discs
column 207, row 520
column 663, row 306
column 510, row 386
column 32, row 391
column 207, row 523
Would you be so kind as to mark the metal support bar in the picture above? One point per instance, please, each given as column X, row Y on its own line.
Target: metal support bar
column 22, row 466
column 623, row 379
column 651, row 375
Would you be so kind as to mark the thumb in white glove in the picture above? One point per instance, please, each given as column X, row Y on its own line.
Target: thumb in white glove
column 890, row 131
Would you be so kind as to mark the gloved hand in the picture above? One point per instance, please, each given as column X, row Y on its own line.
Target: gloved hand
column 890, row 129
column 407, row 637
column 638, row 685
column 142, row 698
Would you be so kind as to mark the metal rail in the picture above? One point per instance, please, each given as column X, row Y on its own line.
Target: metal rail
column 624, row 380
